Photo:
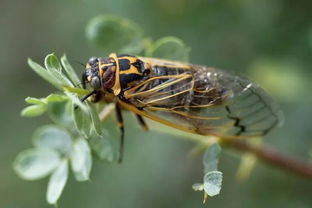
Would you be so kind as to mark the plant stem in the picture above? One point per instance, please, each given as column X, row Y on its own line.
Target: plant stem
column 262, row 152
column 271, row 156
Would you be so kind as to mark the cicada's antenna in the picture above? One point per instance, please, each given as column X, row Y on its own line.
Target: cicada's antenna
column 80, row 63
column 82, row 83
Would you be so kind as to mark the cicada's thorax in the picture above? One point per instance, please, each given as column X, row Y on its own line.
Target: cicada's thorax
column 119, row 72
column 174, row 84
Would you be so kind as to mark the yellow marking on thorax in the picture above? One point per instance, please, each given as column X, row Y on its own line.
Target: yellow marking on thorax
column 165, row 63
column 101, row 71
column 131, row 59
column 116, row 88
column 132, row 70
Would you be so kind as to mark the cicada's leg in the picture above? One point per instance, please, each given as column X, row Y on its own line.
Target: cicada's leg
column 106, row 111
column 96, row 97
column 120, row 124
column 142, row 122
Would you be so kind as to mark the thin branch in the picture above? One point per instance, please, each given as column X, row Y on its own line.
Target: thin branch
column 271, row 156
column 262, row 152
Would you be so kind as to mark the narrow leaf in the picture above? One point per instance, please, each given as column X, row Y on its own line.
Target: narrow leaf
column 57, row 182
column 78, row 91
column 52, row 63
column 34, row 164
column 56, row 98
column 82, row 122
column 55, row 69
column 81, row 160
column 70, row 71
column 213, row 182
column 33, row 110
column 45, row 74
column 211, row 157
column 97, row 124
column 198, row 187
column 37, row 101
column 246, row 165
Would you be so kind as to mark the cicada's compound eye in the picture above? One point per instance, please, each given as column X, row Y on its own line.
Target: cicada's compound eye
column 95, row 82
column 93, row 60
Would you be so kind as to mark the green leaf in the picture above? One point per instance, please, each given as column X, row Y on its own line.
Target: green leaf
column 32, row 100
column 78, row 91
column 81, row 160
column 211, row 157
column 53, row 137
column 34, row 164
column 77, row 102
column 97, row 124
column 52, row 63
column 171, row 48
column 245, row 167
column 45, row 74
column 56, row 98
column 57, row 182
column 82, row 122
column 61, row 113
column 112, row 33
column 213, row 182
column 106, row 146
column 198, row 187
column 54, row 68
column 70, row 71
column 33, row 110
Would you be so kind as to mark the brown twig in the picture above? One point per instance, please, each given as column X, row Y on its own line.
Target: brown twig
column 262, row 152
column 272, row 157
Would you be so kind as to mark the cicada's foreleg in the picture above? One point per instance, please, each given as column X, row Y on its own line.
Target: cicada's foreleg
column 120, row 124
column 96, row 97
column 142, row 122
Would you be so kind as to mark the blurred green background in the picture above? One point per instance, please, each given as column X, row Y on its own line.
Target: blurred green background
column 268, row 41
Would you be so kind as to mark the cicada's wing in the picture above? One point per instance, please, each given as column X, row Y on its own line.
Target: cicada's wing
column 243, row 108
column 206, row 101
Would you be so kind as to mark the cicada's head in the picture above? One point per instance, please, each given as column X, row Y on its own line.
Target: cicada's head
column 114, row 73
column 91, row 74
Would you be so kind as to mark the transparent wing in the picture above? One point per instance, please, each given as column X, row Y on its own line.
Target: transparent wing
column 209, row 102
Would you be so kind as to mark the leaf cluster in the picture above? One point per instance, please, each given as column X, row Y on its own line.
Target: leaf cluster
column 73, row 136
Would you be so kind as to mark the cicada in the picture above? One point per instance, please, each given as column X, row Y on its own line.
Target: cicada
column 192, row 98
